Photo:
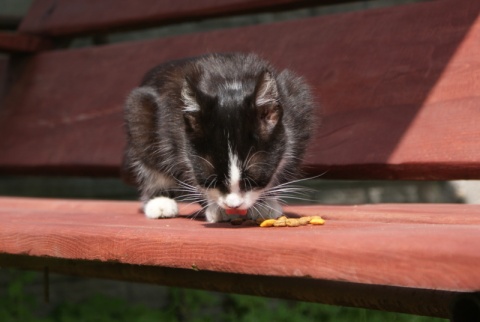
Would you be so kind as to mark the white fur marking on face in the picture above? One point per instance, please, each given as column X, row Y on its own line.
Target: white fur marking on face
column 160, row 207
column 234, row 199
column 234, row 172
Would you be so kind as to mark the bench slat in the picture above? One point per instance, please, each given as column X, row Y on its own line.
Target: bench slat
column 417, row 247
column 11, row 42
column 399, row 88
column 77, row 17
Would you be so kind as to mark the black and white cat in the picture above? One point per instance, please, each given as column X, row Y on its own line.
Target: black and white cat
column 226, row 130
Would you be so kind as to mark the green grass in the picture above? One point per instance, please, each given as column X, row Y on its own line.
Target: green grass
column 180, row 305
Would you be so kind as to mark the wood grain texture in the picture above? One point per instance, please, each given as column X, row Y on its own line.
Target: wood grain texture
column 398, row 87
column 422, row 247
column 77, row 17
column 11, row 42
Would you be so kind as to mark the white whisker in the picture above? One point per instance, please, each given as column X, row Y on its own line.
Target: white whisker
column 266, row 206
column 209, row 163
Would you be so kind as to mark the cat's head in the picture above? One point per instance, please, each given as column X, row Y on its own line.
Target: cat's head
column 235, row 136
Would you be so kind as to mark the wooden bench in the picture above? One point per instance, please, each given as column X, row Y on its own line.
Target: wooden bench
column 400, row 90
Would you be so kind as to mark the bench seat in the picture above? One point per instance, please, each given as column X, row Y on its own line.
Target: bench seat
column 411, row 258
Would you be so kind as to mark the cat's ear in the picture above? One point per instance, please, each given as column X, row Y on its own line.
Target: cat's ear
column 141, row 116
column 267, row 102
column 189, row 99
column 190, row 108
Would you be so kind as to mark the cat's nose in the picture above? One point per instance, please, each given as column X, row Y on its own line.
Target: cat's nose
column 233, row 200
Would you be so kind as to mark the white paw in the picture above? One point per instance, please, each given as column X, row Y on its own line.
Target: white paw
column 160, row 207
column 267, row 209
column 214, row 213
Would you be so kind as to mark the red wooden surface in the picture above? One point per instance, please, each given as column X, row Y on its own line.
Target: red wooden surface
column 74, row 17
column 398, row 86
column 23, row 43
column 418, row 247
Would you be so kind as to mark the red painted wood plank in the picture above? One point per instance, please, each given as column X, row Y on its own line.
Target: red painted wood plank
column 15, row 42
column 398, row 86
column 430, row 247
column 111, row 231
column 74, row 17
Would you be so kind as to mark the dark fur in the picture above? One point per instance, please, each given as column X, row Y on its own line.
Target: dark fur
column 185, row 144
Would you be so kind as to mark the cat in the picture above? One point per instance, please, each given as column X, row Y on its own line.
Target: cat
column 225, row 130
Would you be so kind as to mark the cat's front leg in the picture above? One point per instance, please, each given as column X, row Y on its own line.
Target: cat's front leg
column 215, row 213
column 266, row 209
column 160, row 207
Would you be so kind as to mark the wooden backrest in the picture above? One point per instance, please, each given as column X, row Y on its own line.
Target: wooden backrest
column 78, row 17
column 398, row 86
column 50, row 22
